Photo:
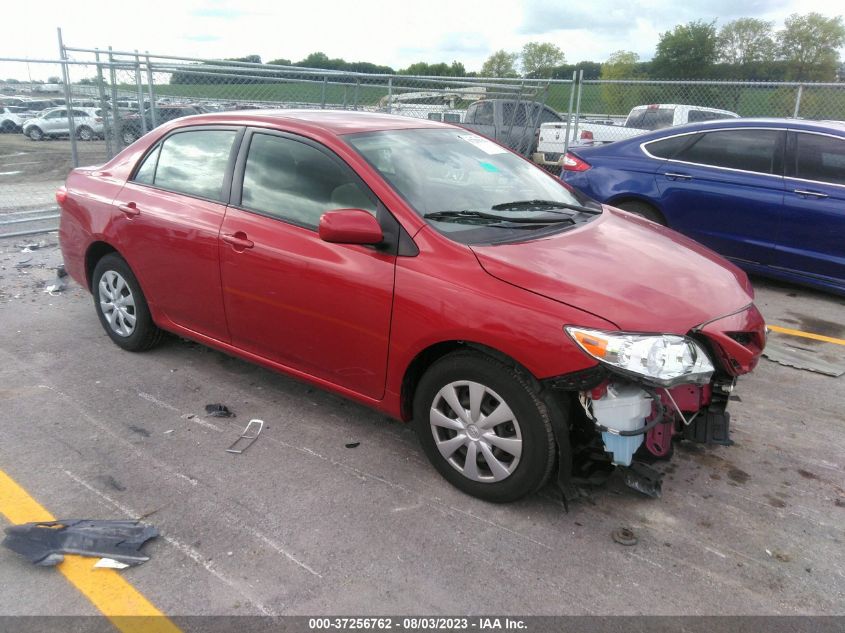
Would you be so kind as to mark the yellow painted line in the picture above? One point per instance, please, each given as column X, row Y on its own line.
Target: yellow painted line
column 815, row 337
column 127, row 608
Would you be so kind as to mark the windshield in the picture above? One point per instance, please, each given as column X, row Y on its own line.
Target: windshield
column 500, row 196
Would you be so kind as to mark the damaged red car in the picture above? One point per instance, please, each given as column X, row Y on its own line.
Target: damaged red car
column 418, row 268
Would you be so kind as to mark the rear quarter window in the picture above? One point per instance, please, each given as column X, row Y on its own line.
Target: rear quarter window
column 669, row 147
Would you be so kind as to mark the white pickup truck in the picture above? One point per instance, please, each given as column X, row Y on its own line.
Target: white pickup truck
column 641, row 119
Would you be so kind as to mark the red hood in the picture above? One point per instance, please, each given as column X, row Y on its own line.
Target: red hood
column 636, row 274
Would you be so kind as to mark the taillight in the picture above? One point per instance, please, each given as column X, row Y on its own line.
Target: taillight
column 571, row 162
column 61, row 195
column 586, row 135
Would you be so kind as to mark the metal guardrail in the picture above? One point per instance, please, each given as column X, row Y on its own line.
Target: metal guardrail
column 31, row 222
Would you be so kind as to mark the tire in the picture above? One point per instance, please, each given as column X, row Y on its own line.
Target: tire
column 642, row 209
column 8, row 127
column 35, row 133
column 129, row 138
column 85, row 133
column 499, row 473
column 112, row 276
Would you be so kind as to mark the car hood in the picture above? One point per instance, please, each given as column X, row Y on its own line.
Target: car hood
column 634, row 273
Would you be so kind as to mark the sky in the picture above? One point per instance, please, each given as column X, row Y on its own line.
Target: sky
column 395, row 33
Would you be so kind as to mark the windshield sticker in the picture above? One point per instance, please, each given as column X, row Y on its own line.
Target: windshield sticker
column 489, row 166
column 488, row 147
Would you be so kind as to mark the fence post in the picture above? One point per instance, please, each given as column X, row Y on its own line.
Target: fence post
column 798, row 101
column 68, row 101
column 118, row 137
column 139, row 86
column 355, row 96
column 390, row 95
column 569, row 112
column 578, row 101
column 153, row 115
column 345, row 94
column 323, row 93
column 101, row 90
column 507, row 138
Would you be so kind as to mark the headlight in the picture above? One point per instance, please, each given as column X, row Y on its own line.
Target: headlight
column 664, row 360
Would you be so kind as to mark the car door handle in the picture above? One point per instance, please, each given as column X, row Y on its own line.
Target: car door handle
column 130, row 209
column 809, row 194
column 238, row 241
column 675, row 176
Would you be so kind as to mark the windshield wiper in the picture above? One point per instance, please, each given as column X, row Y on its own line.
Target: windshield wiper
column 541, row 205
column 501, row 220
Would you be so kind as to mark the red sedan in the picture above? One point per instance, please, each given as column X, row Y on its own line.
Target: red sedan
column 427, row 272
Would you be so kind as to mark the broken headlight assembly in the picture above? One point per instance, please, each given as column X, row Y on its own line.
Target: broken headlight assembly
column 663, row 360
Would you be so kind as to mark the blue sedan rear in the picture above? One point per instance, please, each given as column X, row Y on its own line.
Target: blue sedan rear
column 768, row 194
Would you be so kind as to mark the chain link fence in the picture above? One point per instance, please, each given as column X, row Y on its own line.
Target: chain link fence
column 117, row 96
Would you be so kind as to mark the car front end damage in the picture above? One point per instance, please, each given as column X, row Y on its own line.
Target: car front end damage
column 649, row 391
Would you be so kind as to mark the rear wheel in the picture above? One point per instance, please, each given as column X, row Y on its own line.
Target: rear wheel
column 35, row 133
column 7, row 127
column 86, row 133
column 129, row 137
column 642, row 209
column 122, row 307
column 484, row 427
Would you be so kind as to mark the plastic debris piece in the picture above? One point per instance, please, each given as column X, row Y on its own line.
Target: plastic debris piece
column 218, row 411
column 45, row 543
column 625, row 536
column 353, row 445
column 802, row 358
column 110, row 563
column 246, row 439
column 60, row 284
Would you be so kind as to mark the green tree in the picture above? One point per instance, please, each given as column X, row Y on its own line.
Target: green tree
column 54, row 80
column 746, row 41
column 455, row 69
column 618, row 98
column 686, row 52
column 540, row 58
column 500, row 64
column 809, row 44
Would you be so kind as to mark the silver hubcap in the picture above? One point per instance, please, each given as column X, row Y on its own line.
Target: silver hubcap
column 117, row 303
column 476, row 431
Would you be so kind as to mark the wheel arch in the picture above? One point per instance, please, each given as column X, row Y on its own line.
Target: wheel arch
column 431, row 354
column 627, row 197
column 93, row 254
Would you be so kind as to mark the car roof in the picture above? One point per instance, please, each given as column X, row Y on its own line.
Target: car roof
column 802, row 124
column 334, row 121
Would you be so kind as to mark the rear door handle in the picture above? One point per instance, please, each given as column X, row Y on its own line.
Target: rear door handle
column 239, row 241
column 130, row 209
column 809, row 194
column 675, row 176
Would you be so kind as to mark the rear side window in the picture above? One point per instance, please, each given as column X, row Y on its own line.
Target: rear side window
column 668, row 147
column 744, row 149
column 820, row 158
column 297, row 183
column 192, row 163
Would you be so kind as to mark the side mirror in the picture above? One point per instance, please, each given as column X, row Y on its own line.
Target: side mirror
column 350, row 226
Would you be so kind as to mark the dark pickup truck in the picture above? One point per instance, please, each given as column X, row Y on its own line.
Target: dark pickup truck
column 515, row 124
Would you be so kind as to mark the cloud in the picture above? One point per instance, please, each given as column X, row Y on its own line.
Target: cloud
column 202, row 38
column 217, row 12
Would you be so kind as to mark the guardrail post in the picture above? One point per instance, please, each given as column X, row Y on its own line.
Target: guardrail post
column 139, row 86
column 578, row 101
column 798, row 101
column 101, row 91
column 68, row 101
column 118, row 136
column 150, row 78
column 569, row 112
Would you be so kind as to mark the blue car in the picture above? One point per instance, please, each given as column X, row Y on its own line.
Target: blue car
column 768, row 194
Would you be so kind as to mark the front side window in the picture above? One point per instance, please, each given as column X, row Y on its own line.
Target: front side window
column 297, row 183
column 744, row 149
column 820, row 158
column 193, row 163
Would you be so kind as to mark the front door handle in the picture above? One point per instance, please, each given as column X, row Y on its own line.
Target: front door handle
column 809, row 194
column 238, row 240
column 130, row 209
column 675, row 176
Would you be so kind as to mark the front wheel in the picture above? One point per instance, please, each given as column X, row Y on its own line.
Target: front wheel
column 484, row 427
column 122, row 307
column 35, row 133
column 86, row 133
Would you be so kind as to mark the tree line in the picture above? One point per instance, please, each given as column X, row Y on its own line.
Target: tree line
column 804, row 49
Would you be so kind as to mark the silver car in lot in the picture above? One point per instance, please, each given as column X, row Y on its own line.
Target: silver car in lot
column 88, row 124
column 10, row 121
